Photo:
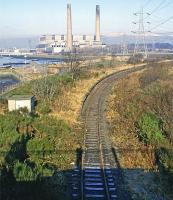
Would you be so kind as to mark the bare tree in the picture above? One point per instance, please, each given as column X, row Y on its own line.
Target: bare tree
column 74, row 60
column 136, row 59
column 45, row 88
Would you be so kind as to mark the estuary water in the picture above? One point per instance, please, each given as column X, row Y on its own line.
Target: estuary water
column 18, row 62
column 8, row 62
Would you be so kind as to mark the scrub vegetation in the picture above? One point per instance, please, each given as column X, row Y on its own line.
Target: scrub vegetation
column 38, row 150
column 140, row 111
column 33, row 151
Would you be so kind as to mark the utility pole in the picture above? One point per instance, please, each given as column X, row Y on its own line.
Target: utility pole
column 124, row 47
column 153, row 46
column 140, row 44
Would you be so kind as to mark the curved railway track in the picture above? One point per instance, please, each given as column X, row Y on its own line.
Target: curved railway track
column 98, row 180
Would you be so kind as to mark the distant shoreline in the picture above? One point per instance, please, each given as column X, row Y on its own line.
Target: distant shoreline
column 42, row 57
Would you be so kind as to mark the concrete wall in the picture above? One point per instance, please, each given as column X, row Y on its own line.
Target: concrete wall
column 16, row 104
column 11, row 105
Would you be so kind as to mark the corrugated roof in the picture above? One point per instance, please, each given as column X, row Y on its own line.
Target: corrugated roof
column 20, row 97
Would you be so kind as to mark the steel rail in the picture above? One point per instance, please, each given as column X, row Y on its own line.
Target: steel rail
column 102, row 85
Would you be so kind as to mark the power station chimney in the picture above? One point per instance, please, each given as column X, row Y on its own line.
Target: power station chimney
column 69, row 28
column 98, row 39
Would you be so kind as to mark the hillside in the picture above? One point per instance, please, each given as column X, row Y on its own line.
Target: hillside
column 140, row 118
column 41, row 149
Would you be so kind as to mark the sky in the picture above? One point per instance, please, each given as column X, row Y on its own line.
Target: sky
column 20, row 18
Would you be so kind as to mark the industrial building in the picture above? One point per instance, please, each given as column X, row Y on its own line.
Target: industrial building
column 60, row 43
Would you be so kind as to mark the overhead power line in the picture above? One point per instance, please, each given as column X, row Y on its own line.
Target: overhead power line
column 158, row 7
column 153, row 11
column 162, row 23
column 147, row 3
column 161, row 6
column 165, row 33
column 168, row 4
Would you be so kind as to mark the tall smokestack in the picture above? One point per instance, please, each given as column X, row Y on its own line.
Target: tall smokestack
column 98, row 23
column 69, row 28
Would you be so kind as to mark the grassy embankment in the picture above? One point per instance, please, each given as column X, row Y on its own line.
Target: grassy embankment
column 140, row 111
column 13, row 78
column 39, row 149
column 9, row 75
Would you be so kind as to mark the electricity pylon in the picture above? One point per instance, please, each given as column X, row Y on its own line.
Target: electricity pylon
column 140, row 44
column 124, row 47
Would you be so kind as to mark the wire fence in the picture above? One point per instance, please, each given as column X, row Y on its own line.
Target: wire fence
column 8, row 88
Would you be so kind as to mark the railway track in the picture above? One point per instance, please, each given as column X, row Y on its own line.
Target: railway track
column 97, row 180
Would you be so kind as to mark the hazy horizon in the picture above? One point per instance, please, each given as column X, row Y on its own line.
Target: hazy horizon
column 23, row 20
column 34, row 18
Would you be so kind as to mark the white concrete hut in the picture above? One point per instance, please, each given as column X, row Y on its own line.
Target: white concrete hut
column 16, row 102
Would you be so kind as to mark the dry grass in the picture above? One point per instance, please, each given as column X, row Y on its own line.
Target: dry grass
column 137, row 160
column 133, row 154
column 1, row 108
column 68, row 105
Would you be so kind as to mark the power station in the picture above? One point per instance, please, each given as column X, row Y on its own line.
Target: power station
column 62, row 43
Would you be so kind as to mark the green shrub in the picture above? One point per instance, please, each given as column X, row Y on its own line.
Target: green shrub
column 27, row 146
column 22, row 172
column 43, row 108
column 51, row 126
column 37, row 146
column 66, row 80
column 150, row 129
